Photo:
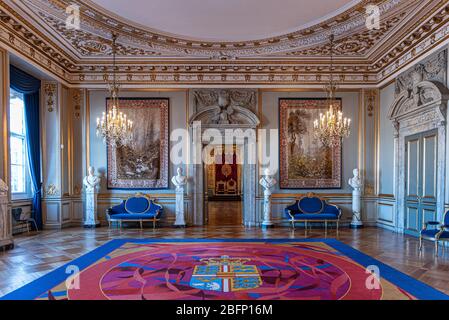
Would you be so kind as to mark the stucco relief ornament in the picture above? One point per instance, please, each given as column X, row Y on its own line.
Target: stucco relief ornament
column 5, row 222
column 356, row 183
column 267, row 182
column 179, row 181
column 224, row 114
column 92, row 184
column 3, row 187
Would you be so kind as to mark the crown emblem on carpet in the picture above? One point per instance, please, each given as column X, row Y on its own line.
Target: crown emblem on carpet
column 225, row 274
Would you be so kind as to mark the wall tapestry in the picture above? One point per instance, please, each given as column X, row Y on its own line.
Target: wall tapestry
column 143, row 164
column 304, row 162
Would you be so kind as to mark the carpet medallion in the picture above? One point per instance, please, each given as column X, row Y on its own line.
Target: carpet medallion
column 314, row 269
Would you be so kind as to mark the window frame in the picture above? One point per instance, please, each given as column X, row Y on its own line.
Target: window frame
column 27, row 194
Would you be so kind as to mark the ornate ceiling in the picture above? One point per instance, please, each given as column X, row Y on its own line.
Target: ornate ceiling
column 408, row 29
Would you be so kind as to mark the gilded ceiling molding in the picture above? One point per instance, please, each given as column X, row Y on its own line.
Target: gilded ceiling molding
column 420, row 31
column 139, row 41
column 425, row 35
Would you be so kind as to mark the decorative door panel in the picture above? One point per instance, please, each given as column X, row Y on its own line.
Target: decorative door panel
column 421, row 176
column 430, row 168
column 412, row 219
column 413, row 164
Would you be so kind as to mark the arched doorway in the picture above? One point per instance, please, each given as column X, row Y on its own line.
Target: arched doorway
column 226, row 121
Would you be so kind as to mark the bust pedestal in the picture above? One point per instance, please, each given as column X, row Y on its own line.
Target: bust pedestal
column 267, row 182
column 267, row 223
column 180, row 219
column 6, row 241
column 356, row 222
column 91, row 210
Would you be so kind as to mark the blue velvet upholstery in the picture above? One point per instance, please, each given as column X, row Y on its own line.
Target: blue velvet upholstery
column 133, row 216
column 138, row 208
column 315, row 216
column 117, row 209
column 310, row 205
column 435, row 231
column 432, row 233
column 446, row 220
column 311, row 208
column 137, row 205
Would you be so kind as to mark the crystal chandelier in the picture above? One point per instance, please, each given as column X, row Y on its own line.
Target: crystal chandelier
column 331, row 127
column 114, row 127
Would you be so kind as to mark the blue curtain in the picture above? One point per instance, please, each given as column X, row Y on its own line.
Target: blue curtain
column 29, row 86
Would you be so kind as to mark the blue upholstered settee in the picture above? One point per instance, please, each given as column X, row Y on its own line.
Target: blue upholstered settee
column 135, row 209
column 435, row 231
column 312, row 208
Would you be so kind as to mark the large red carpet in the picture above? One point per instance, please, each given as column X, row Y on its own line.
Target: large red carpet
column 226, row 269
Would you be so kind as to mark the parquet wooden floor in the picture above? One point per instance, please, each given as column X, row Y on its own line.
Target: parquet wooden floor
column 36, row 254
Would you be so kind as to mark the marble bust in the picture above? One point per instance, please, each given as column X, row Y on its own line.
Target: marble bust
column 179, row 180
column 91, row 181
column 267, row 182
column 355, row 182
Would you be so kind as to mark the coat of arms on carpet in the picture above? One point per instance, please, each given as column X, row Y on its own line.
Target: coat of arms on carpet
column 225, row 274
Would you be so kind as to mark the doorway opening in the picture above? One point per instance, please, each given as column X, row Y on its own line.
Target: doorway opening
column 421, row 169
column 223, row 185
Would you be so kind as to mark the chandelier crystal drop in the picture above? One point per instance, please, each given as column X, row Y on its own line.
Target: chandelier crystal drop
column 114, row 127
column 332, row 127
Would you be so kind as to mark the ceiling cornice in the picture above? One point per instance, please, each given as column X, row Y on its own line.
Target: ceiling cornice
column 407, row 33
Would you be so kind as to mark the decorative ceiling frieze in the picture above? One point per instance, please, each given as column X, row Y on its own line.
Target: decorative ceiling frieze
column 36, row 29
column 96, row 27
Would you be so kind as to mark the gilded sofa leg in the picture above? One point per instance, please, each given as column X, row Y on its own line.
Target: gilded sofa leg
column 141, row 224
column 305, row 227
column 338, row 227
column 436, row 248
column 293, row 224
column 154, row 224
column 420, row 243
column 325, row 228
column 120, row 224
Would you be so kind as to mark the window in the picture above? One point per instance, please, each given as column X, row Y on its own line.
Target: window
column 17, row 137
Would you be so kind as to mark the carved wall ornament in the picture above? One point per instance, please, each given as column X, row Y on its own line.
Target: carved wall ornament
column 433, row 68
column 51, row 190
column 3, row 187
column 370, row 100
column 50, row 96
column 77, row 190
column 77, row 96
column 225, row 106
